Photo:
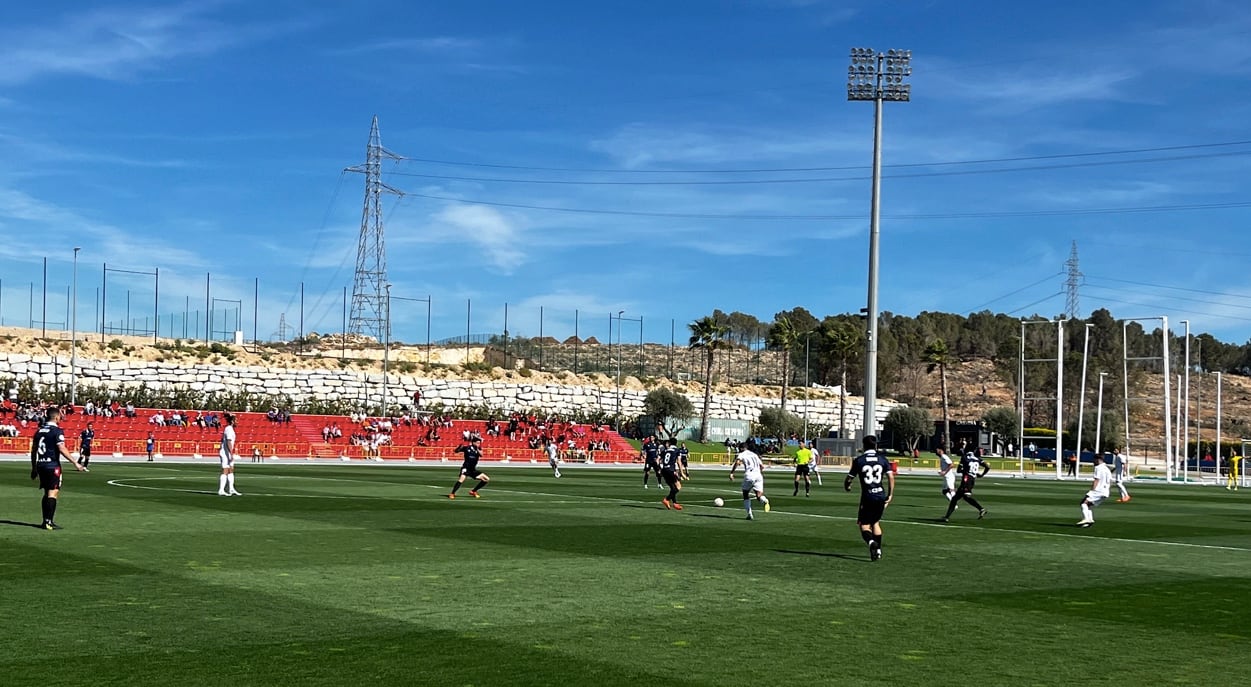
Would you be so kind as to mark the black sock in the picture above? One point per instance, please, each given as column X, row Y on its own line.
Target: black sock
column 796, row 491
column 972, row 501
column 879, row 539
column 43, row 506
column 49, row 508
column 673, row 494
column 866, row 535
column 481, row 483
column 645, row 473
column 456, row 487
column 807, row 487
column 951, row 506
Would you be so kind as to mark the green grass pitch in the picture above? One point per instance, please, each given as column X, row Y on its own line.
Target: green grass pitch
column 361, row 575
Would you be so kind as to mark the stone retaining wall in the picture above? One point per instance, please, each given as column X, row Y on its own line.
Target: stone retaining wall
column 302, row 385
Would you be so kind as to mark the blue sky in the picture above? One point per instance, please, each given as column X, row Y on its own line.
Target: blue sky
column 211, row 137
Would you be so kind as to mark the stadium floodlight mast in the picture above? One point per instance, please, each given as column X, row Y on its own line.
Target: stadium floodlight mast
column 878, row 77
column 619, row 314
column 1081, row 403
column 1099, row 418
column 74, row 333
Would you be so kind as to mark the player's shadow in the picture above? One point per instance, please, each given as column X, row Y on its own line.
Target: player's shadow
column 21, row 524
column 823, row 554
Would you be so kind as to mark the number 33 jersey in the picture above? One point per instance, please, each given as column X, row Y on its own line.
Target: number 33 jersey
column 871, row 470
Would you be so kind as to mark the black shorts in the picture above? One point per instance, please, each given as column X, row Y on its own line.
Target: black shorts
column 965, row 488
column 50, row 478
column 652, row 465
column 84, row 452
column 870, row 512
column 670, row 477
column 471, row 473
column 802, row 470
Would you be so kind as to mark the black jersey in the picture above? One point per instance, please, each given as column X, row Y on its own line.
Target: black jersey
column 472, row 455
column 971, row 467
column 870, row 469
column 651, row 452
column 85, row 438
column 669, row 459
column 45, row 448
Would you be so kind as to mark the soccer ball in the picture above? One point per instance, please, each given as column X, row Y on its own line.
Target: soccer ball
column 718, row 502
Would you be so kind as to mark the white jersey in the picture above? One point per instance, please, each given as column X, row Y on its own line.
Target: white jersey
column 1103, row 480
column 551, row 453
column 947, row 469
column 226, row 452
column 751, row 464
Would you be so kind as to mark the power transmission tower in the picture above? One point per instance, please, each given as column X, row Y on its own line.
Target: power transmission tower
column 282, row 327
column 1072, row 284
column 369, row 314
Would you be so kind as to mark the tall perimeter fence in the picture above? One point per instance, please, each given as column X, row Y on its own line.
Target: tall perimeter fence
column 114, row 301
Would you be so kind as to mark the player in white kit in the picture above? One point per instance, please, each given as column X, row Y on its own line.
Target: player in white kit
column 1099, row 490
column 947, row 469
column 549, row 447
column 226, row 454
column 753, row 477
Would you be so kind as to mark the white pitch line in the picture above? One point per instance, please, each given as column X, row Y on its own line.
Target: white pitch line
column 1124, row 540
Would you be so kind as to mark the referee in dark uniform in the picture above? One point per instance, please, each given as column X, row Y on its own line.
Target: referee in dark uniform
column 46, row 451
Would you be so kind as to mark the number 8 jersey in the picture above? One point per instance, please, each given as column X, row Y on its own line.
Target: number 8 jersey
column 871, row 469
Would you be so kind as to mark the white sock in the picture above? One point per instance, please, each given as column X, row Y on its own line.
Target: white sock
column 764, row 499
column 1124, row 491
column 1086, row 513
column 221, row 483
column 230, row 482
column 747, row 505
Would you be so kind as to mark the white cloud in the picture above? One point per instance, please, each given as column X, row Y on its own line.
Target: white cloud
column 23, row 215
column 643, row 145
column 117, row 43
column 495, row 234
column 431, row 44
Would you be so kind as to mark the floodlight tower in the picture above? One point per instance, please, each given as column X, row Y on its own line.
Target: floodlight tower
column 369, row 300
column 878, row 77
column 1072, row 284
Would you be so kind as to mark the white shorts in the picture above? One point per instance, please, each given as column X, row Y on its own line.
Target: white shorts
column 949, row 479
column 754, row 483
column 226, row 461
column 1094, row 499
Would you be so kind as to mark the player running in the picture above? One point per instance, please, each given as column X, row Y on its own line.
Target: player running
column 970, row 469
column 46, row 451
column 753, row 477
column 469, row 468
column 947, row 470
column 549, row 447
column 1120, row 473
column 651, row 459
column 671, row 472
column 1100, row 487
column 871, row 468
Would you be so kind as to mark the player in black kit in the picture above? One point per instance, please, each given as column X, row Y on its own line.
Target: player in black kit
column 469, row 468
column 84, row 445
column 970, row 469
column 46, row 451
column 671, row 472
column 651, row 459
column 871, row 468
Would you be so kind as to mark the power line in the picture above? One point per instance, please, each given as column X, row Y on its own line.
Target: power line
column 1177, row 288
column 1013, row 293
column 768, row 170
column 1175, row 298
column 809, row 180
column 1182, row 312
column 1037, row 302
column 826, row 218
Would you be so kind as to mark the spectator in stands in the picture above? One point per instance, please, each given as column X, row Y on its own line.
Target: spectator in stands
column 157, row 419
column 335, row 432
column 89, row 408
column 325, row 433
column 417, row 398
column 130, row 409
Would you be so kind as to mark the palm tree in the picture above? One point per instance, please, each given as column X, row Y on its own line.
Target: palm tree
column 844, row 342
column 710, row 335
column 784, row 337
column 937, row 356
